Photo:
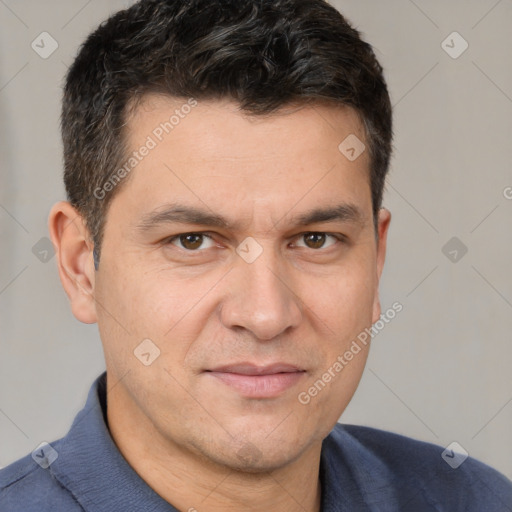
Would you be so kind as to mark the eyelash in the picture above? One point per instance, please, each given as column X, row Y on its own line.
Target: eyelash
column 339, row 237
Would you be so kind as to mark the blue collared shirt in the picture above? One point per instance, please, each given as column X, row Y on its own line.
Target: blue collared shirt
column 361, row 469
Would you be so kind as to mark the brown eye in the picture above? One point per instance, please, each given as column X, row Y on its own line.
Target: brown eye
column 315, row 240
column 318, row 240
column 191, row 241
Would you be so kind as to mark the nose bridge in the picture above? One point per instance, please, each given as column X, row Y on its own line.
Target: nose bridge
column 262, row 300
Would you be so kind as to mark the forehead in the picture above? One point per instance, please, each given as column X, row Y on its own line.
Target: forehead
column 225, row 126
column 211, row 154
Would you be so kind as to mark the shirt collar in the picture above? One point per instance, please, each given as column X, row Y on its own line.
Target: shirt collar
column 90, row 465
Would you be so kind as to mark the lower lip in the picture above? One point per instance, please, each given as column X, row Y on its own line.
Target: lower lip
column 259, row 386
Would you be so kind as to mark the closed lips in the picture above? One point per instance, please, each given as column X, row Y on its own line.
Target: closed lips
column 255, row 370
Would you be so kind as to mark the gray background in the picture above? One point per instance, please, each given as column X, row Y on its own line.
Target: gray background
column 440, row 371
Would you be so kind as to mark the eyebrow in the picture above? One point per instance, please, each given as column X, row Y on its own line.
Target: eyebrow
column 340, row 213
column 182, row 214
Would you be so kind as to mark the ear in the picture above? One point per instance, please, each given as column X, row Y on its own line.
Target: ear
column 74, row 250
column 384, row 219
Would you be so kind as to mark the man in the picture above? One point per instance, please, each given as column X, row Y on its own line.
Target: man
column 224, row 163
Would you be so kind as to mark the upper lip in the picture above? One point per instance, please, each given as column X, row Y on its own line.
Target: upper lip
column 253, row 369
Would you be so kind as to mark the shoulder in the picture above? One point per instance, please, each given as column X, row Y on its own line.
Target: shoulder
column 418, row 472
column 26, row 487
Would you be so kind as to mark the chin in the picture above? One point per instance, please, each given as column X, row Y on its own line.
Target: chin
column 262, row 463
column 252, row 456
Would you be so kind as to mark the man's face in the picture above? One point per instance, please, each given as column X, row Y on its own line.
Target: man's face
column 222, row 309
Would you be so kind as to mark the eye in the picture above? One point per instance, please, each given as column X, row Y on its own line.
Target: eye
column 191, row 241
column 317, row 240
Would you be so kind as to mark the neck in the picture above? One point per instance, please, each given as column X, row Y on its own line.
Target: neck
column 191, row 482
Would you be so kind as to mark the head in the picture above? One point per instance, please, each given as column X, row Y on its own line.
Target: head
column 225, row 118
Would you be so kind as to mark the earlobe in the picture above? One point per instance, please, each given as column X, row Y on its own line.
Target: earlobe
column 73, row 248
column 384, row 219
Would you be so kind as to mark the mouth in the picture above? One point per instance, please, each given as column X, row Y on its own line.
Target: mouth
column 253, row 381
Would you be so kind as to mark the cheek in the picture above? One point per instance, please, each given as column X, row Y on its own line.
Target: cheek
column 153, row 302
column 343, row 301
column 343, row 310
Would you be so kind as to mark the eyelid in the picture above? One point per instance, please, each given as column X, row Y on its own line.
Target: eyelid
column 207, row 234
column 338, row 236
column 171, row 239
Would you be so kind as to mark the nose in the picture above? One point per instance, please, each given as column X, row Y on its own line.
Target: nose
column 261, row 298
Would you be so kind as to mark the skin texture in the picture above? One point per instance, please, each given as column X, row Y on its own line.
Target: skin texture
column 195, row 440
